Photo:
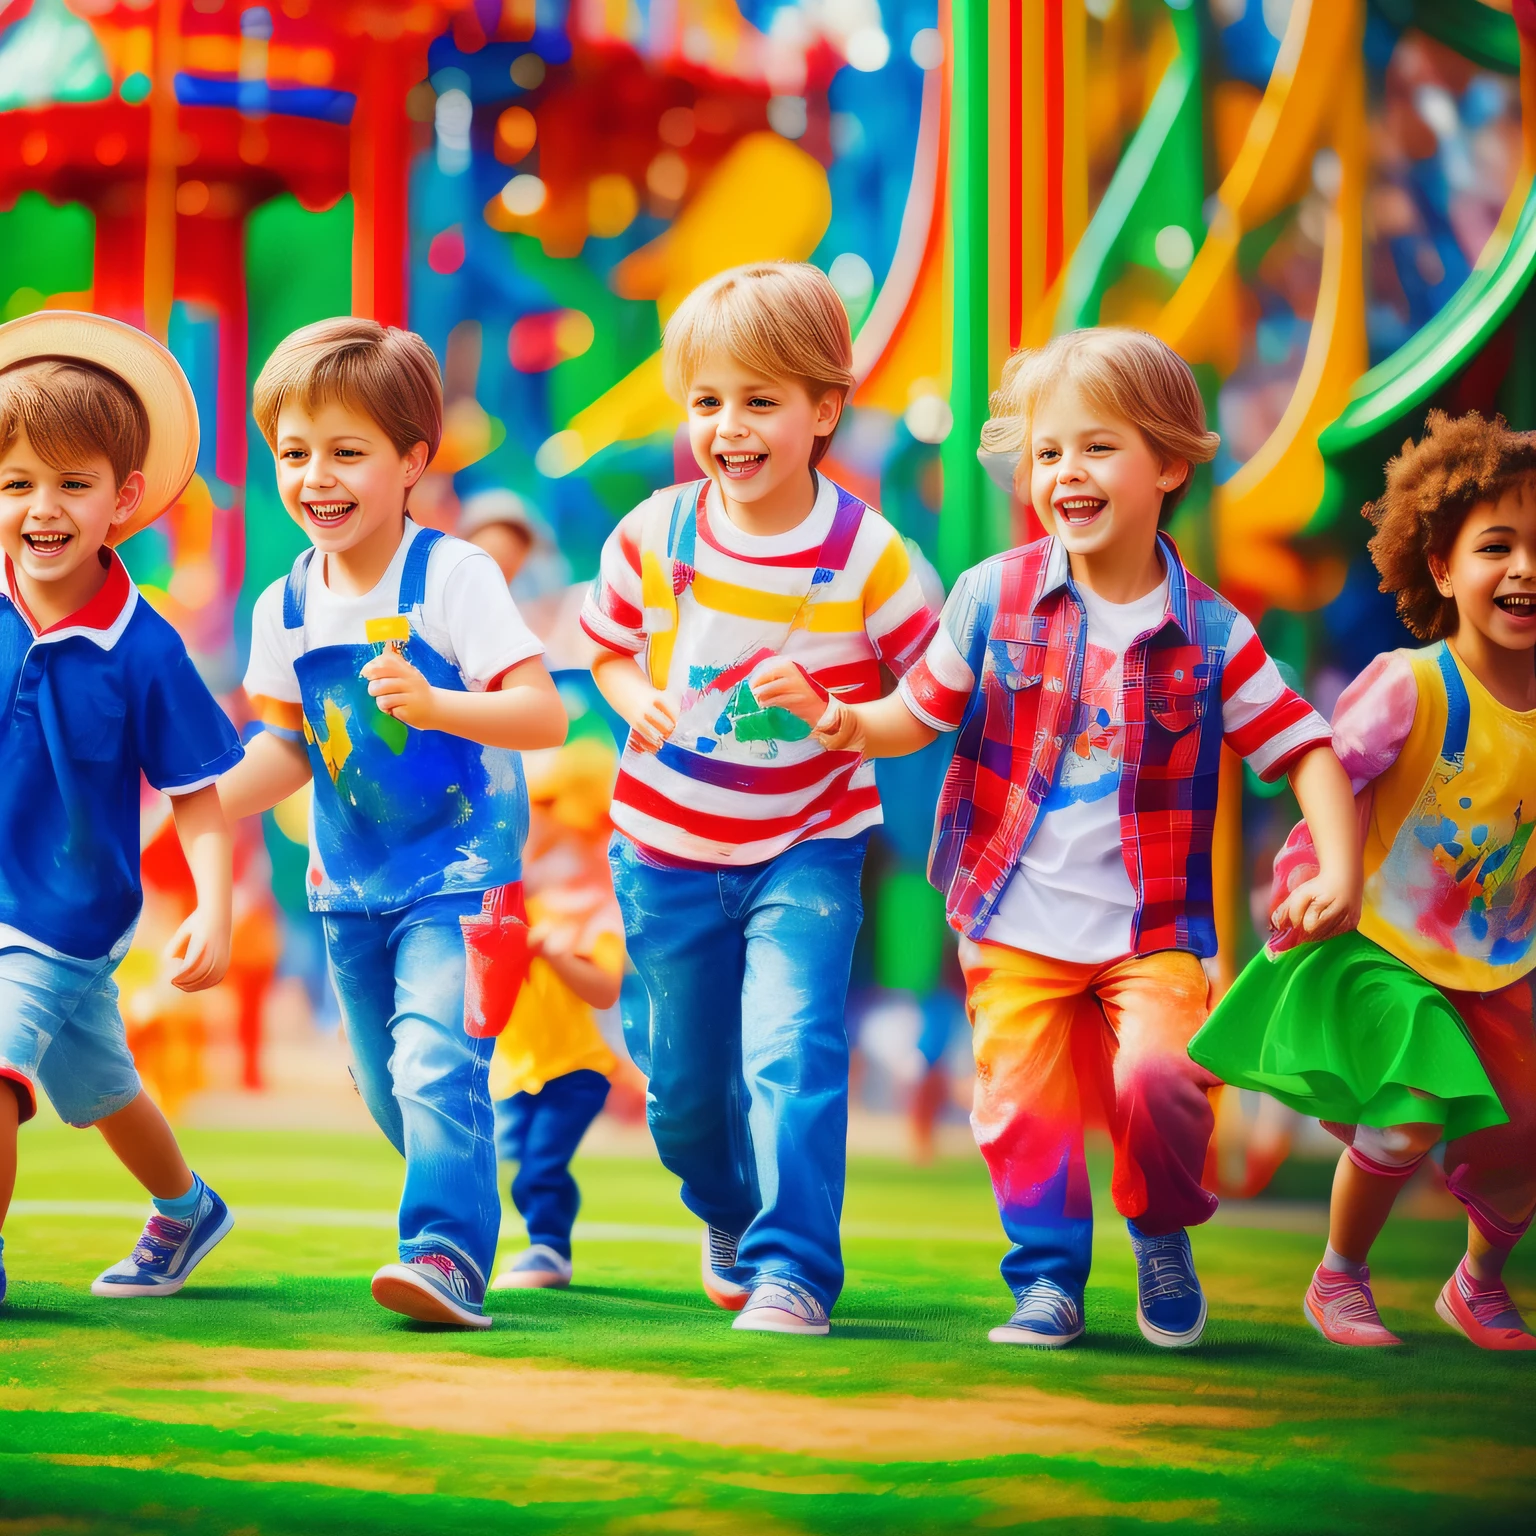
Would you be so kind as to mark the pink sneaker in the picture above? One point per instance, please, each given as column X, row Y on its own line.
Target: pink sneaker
column 1485, row 1314
column 1343, row 1310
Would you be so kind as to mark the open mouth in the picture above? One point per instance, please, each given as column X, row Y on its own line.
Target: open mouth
column 1079, row 511
column 47, row 544
column 1518, row 605
column 329, row 514
column 740, row 466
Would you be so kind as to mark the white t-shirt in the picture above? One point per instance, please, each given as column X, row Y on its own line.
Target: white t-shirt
column 467, row 617
column 1070, row 896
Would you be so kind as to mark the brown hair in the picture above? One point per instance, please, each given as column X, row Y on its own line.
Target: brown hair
column 66, row 407
column 387, row 373
column 782, row 319
column 1461, row 462
column 1125, row 373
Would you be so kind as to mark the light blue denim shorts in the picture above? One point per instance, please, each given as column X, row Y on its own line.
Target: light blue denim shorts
column 60, row 1029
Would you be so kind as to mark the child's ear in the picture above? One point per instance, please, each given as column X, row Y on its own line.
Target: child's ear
column 1175, row 473
column 130, row 495
column 1440, row 573
column 829, row 411
column 415, row 459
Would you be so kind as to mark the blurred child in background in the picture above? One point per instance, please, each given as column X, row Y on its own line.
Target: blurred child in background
column 552, row 1068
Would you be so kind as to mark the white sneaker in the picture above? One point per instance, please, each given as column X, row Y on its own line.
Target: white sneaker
column 778, row 1306
column 719, row 1252
column 537, row 1267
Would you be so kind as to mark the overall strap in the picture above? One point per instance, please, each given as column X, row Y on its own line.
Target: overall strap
column 838, row 544
column 413, row 579
column 293, row 592
column 1458, row 708
column 665, row 573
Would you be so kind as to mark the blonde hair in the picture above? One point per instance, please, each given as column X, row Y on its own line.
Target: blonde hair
column 781, row 319
column 388, row 374
column 1122, row 372
column 66, row 407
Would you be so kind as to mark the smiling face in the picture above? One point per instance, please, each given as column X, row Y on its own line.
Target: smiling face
column 1093, row 476
column 754, row 437
column 1490, row 572
column 54, row 522
column 342, row 480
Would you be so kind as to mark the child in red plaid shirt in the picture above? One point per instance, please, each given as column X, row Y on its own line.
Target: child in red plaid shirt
column 1092, row 682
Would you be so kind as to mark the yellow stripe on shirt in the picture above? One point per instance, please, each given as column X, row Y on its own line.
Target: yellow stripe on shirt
column 776, row 607
column 888, row 577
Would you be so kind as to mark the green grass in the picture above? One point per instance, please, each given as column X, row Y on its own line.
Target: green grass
column 272, row 1396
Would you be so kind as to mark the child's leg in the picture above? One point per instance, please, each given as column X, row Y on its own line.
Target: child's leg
column 362, row 976
column 543, row 1191
column 1156, row 1098
column 686, row 1037
column 10, row 1120
column 802, row 913
column 1027, row 1113
column 146, row 1147
column 1371, row 1172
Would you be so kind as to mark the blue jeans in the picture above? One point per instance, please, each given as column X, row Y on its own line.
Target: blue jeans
column 399, row 979
column 740, row 1031
column 540, row 1132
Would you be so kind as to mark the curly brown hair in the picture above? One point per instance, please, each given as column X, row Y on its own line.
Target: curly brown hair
column 1461, row 462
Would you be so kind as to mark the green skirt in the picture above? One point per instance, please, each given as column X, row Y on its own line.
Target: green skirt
column 1343, row 1031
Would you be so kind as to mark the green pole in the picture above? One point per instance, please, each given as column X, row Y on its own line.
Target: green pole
column 964, row 524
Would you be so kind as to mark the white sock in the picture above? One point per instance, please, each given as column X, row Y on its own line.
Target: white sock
column 1337, row 1264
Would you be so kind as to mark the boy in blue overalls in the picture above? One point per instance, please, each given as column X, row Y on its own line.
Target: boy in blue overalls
column 98, row 436
column 392, row 669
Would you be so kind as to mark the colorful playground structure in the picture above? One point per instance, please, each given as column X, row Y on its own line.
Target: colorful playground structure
column 1326, row 205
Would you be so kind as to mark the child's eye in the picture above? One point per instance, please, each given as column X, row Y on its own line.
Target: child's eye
column 1047, row 455
column 18, row 485
column 1494, row 547
column 292, row 453
column 706, row 403
column 1101, row 447
column 75, row 485
column 349, row 453
column 762, row 403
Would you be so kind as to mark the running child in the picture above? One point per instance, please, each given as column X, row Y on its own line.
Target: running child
column 552, row 1068
column 98, row 437
column 740, row 840
column 1092, row 682
column 391, row 669
column 1418, row 1028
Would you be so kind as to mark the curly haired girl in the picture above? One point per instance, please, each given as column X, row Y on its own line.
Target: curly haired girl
column 1418, row 1027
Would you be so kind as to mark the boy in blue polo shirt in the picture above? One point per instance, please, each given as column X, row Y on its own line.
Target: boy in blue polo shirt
column 98, row 436
column 391, row 670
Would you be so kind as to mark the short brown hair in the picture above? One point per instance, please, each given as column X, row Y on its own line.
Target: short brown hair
column 1461, row 462
column 65, row 406
column 1127, row 373
column 782, row 319
column 387, row 373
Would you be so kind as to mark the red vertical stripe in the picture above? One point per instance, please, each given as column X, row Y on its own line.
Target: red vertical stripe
column 1015, row 174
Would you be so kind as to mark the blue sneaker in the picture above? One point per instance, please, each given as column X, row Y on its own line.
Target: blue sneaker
column 2, row 1269
column 432, row 1288
column 537, row 1267
column 781, row 1306
column 1046, row 1317
column 1170, row 1306
column 167, row 1251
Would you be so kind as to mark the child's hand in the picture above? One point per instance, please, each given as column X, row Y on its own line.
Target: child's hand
column 547, row 939
column 400, row 689
column 841, row 729
column 781, row 684
column 201, row 944
column 1319, row 908
column 652, row 722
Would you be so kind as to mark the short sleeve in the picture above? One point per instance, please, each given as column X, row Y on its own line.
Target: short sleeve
column 1267, row 724
column 488, row 635
column 614, row 611
column 271, row 684
column 1372, row 719
column 897, row 617
column 184, row 740
column 938, row 687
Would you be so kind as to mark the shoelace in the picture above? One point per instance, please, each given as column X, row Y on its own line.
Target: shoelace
column 722, row 1249
column 1351, row 1302
column 1492, row 1308
column 787, row 1298
column 1044, row 1303
column 1169, row 1276
column 158, row 1242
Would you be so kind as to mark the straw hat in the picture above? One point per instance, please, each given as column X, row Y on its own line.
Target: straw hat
column 145, row 367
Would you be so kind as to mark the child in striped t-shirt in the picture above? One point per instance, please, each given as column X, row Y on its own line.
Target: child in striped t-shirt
column 740, row 841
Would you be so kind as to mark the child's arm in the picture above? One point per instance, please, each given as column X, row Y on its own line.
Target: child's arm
column 202, row 941
column 642, row 707
column 1328, row 903
column 271, row 770
column 883, row 728
column 522, row 715
column 594, row 983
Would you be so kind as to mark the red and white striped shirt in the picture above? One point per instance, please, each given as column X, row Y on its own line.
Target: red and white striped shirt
column 737, row 784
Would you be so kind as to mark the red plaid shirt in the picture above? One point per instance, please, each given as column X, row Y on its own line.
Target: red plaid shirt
column 1005, row 670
